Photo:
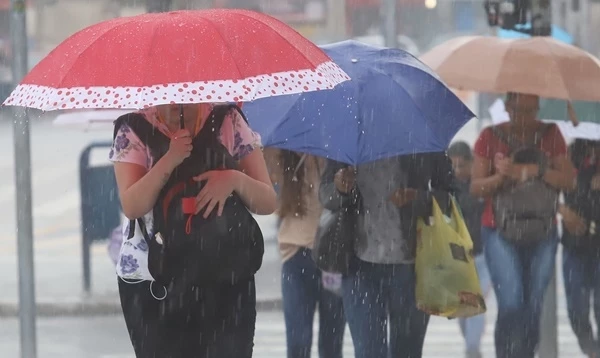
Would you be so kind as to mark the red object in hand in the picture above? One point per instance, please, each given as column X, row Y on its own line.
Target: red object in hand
column 189, row 205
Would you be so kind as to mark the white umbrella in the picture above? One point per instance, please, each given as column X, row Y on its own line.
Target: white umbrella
column 585, row 130
column 89, row 119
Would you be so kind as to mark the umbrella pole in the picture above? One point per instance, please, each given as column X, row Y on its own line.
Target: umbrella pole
column 27, row 307
column 390, row 32
column 181, row 117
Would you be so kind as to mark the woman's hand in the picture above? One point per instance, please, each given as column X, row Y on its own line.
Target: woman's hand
column 344, row 180
column 524, row 172
column 503, row 165
column 516, row 172
column 220, row 184
column 180, row 147
column 483, row 183
column 403, row 196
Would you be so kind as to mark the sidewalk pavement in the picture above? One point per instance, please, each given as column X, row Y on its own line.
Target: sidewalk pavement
column 106, row 337
column 59, row 277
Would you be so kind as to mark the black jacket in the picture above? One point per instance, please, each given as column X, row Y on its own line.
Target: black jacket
column 586, row 203
column 421, row 171
column 472, row 210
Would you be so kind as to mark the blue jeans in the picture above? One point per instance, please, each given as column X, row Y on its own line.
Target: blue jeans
column 375, row 294
column 472, row 328
column 302, row 293
column 581, row 274
column 520, row 275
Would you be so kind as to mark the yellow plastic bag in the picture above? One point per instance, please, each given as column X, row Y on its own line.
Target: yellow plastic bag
column 447, row 284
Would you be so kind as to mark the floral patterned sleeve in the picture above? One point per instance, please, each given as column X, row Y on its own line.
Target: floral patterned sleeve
column 128, row 148
column 245, row 139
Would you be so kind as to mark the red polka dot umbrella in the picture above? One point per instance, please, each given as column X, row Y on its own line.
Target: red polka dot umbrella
column 178, row 57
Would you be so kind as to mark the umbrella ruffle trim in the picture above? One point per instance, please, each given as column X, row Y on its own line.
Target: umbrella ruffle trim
column 325, row 76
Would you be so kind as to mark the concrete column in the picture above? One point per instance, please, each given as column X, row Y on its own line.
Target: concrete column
column 336, row 20
column 584, row 20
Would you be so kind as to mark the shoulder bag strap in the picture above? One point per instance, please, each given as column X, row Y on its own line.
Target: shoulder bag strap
column 217, row 116
column 156, row 142
column 142, row 225
column 511, row 142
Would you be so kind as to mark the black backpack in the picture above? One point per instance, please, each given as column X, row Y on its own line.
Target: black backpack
column 525, row 212
column 190, row 250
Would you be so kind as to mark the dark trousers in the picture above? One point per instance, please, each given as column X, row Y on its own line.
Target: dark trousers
column 213, row 321
column 376, row 295
column 302, row 293
column 581, row 272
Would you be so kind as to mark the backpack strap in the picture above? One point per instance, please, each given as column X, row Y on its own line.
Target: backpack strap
column 142, row 225
column 137, row 122
column 217, row 117
column 544, row 130
column 156, row 142
column 513, row 143
column 509, row 140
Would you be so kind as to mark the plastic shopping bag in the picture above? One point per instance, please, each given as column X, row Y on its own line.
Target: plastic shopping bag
column 446, row 278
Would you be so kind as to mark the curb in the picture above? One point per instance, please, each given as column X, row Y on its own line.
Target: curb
column 91, row 307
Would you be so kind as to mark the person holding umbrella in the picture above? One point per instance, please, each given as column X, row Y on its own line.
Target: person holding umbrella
column 191, row 177
column 385, row 139
column 521, row 190
column 520, row 166
column 209, row 310
column 229, row 331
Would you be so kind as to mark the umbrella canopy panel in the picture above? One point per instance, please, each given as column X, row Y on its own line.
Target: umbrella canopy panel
column 541, row 65
column 393, row 105
column 178, row 57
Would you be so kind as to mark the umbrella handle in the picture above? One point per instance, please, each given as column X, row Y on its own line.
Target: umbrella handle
column 181, row 120
column 188, row 203
column 572, row 115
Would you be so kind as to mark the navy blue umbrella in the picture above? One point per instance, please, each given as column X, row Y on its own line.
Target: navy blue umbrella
column 393, row 105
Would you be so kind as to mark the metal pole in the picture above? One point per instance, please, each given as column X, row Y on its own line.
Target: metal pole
column 158, row 5
column 584, row 17
column 389, row 14
column 84, row 160
column 27, row 309
column 541, row 25
column 336, row 19
column 541, row 18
